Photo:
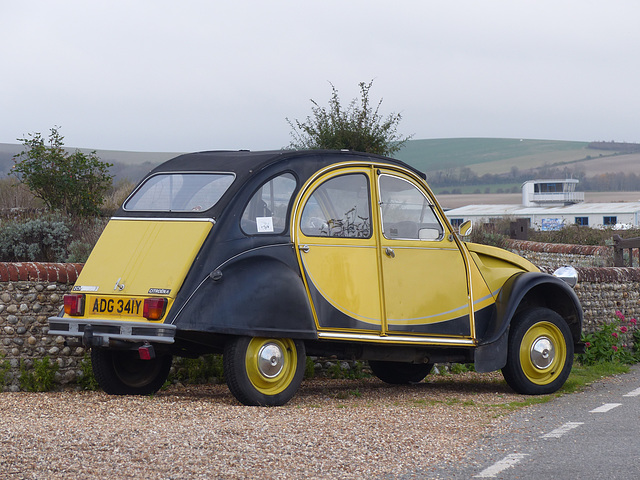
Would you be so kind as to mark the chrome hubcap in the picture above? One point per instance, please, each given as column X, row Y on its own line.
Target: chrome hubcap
column 542, row 353
column 270, row 360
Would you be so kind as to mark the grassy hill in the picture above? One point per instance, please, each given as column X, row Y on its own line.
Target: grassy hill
column 492, row 155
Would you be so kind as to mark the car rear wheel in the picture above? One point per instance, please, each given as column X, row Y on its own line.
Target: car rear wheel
column 264, row 371
column 540, row 352
column 122, row 372
column 400, row 373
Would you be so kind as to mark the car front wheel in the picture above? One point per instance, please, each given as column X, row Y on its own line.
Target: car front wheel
column 264, row 371
column 540, row 352
column 122, row 372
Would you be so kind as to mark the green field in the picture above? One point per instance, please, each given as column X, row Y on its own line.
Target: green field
column 492, row 155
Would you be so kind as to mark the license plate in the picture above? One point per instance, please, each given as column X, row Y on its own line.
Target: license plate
column 116, row 306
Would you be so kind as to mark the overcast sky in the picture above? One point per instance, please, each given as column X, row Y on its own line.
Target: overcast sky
column 156, row 75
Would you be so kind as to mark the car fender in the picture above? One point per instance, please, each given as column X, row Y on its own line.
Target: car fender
column 521, row 291
column 257, row 295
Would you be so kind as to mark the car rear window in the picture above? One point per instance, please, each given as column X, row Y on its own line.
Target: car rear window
column 179, row 192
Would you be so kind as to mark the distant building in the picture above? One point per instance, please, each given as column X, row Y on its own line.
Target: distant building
column 538, row 193
column 551, row 205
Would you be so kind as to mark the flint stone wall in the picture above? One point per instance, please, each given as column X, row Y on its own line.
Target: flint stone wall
column 32, row 292
column 29, row 294
column 602, row 288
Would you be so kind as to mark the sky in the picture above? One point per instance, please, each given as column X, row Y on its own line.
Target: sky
column 190, row 75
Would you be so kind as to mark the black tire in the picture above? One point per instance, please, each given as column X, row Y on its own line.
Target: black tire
column 264, row 371
column 400, row 373
column 540, row 354
column 121, row 372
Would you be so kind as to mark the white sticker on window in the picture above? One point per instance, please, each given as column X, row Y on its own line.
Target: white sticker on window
column 264, row 224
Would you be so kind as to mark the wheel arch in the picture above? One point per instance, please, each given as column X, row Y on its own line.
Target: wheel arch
column 519, row 293
column 560, row 298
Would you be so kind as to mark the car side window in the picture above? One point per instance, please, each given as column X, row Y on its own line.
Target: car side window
column 340, row 207
column 266, row 212
column 406, row 212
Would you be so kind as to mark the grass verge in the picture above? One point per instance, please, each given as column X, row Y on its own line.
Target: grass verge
column 582, row 375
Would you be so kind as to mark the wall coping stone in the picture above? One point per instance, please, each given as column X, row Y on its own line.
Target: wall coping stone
column 65, row 273
column 603, row 274
column 558, row 248
column 608, row 274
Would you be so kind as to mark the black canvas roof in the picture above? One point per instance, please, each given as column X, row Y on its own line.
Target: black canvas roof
column 245, row 164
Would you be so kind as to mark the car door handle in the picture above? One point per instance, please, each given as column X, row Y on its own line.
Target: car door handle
column 390, row 253
column 304, row 248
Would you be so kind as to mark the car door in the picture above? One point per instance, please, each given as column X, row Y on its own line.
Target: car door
column 424, row 273
column 338, row 251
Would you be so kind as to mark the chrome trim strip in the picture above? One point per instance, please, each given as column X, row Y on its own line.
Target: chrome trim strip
column 167, row 219
column 342, row 246
column 125, row 328
column 399, row 247
column 395, row 338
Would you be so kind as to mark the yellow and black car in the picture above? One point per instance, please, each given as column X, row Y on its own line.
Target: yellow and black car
column 268, row 257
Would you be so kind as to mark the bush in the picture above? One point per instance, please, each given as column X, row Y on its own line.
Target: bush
column 79, row 251
column 38, row 240
column 116, row 196
column 610, row 343
column 72, row 183
column 494, row 234
column 580, row 235
column 40, row 378
column 309, row 368
column 457, row 368
column 341, row 370
column 14, row 195
column 87, row 379
column 86, row 230
column 358, row 126
column 199, row 370
column 5, row 367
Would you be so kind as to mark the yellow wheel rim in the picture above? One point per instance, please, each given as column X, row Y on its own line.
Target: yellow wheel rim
column 271, row 364
column 543, row 353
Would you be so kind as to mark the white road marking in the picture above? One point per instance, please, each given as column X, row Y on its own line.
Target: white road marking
column 558, row 432
column 633, row 393
column 605, row 408
column 506, row 462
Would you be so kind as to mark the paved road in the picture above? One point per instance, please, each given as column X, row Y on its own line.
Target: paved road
column 594, row 434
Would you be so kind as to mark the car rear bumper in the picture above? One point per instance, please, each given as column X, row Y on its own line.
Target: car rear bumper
column 98, row 332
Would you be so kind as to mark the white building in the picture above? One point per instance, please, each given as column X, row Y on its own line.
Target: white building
column 552, row 204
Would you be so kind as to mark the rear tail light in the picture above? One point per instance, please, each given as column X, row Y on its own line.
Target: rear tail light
column 74, row 305
column 153, row 308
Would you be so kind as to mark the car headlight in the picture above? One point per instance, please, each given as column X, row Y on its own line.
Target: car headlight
column 567, row 274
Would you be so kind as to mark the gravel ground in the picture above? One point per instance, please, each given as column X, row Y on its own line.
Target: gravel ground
column 331, row 429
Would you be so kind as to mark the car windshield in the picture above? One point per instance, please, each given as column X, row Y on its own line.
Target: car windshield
column 179, row 192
